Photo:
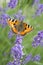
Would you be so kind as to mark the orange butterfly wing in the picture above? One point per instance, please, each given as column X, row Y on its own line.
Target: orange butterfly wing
column 27, row 29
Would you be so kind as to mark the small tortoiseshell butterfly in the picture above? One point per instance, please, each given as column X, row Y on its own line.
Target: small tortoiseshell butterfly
column 19, row 27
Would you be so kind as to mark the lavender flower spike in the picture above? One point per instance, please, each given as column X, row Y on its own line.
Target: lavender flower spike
column 13, row 3
column 38, row 40
column 19, row 39
column 40, row 33
column 10, row 34
column 39, row 11
column 27, row 59
column 16, row 50
column 36, row 2
column 3, row 19
column 36, row 58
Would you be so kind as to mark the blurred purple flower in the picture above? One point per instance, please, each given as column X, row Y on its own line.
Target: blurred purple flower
column 36, row 2
column 10, row 63
column 0, row 9
column 19, row 15
column 27, row 59
column 10, row 34
column 41, row 44
column 19, row 39
column 39, row 10
column 38, row 39
column 13, row 3
column 3, row 19
column 3, row 10
column 36, row 58
column 40, row 33
column 35, row 44
column 16, row 51
column 16, row 63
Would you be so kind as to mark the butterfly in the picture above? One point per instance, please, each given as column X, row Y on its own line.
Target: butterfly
column 19, row 27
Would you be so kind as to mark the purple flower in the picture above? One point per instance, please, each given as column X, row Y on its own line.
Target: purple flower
column 41, row 44
column 40, row 33
column 3, row 10
column 3, row 19
column 16, row 63
column 39, row 10
column 27, row 59
column 38, row 39
column 36, row 58
column 10, row 63
column 17, row 52
column 36, row 2
column 19, row 39
column 35, row 44
column 19, row 15
column 10, row 34
column 13, row 3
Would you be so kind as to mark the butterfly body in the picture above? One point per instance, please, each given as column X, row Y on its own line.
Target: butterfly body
column 19, row 27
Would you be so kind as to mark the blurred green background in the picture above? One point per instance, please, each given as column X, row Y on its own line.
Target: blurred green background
column 6, row 43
